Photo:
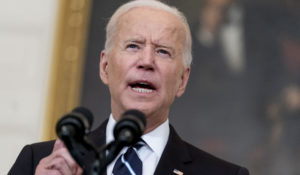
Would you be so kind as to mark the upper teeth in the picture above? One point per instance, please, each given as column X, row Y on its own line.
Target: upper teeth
column 142, row 90
column 143, row 83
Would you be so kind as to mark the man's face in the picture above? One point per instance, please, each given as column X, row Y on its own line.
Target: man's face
column 144, row 68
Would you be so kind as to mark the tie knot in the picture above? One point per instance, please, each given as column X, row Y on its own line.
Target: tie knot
column 139, row 144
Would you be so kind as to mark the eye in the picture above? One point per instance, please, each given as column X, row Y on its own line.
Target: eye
column 132, row 47
column 163, row 52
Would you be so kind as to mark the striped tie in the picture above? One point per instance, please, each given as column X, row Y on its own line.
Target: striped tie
column 129, row 163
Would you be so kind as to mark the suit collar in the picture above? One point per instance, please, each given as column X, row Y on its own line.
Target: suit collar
column 174, row 156
column 98, row 136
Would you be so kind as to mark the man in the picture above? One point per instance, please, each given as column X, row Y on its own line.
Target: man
column 146, row 65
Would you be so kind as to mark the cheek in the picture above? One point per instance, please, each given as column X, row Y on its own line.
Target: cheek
column 172, row 80
column 118, row 71
column 114, row 72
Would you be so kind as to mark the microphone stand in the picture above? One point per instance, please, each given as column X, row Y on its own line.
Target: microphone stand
column 103, row 155
column 77, row 147
column 127, row 132
column 106, row 155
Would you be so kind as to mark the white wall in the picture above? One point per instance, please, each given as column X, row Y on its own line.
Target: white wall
column 26, row 42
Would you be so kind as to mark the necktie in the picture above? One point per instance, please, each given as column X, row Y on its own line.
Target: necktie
column 129, row 163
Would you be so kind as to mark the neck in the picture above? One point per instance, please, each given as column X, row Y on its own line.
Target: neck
column 152, row 125
column 153, row 121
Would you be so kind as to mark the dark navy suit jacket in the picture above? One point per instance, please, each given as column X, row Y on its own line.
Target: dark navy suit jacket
column 178, row 155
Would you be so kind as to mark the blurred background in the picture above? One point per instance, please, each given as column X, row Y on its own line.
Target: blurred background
column 243, row 98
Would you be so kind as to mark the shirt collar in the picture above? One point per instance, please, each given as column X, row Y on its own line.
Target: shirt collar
column 156, row 139
column 110, row 128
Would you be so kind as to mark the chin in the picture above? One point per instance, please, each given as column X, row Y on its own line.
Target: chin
column 143, row 108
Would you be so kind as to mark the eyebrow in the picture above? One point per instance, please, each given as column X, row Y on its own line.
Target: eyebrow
column 162, row 45
column 140, row 40
column 135, row 40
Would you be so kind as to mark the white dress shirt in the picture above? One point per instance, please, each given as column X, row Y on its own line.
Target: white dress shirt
column 150, row 154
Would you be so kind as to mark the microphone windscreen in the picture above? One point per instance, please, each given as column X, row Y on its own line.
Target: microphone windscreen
column 136, row 113
column 86, row 113
column 130, row 127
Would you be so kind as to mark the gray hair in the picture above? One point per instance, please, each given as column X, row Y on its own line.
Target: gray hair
column 111, row 26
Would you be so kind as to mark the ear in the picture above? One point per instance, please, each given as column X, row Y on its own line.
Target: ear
column 103, row 67
column 184, row 80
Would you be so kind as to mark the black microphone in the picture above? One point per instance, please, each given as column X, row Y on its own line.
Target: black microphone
column 72, row 129
column 75, row 125
column 130, row 127
column 127, row 131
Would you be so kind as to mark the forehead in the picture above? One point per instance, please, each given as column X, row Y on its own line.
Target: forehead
column 151, row 21
column 144, row 11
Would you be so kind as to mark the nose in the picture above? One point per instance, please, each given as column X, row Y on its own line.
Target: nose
column 147, row 59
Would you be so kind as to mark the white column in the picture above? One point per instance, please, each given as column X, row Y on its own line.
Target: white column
column 26, row 43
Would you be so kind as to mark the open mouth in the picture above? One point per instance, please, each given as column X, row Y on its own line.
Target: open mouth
column 142, row 87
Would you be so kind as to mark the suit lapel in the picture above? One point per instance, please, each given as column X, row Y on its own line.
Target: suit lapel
column 174, row 155
column 98, row 136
